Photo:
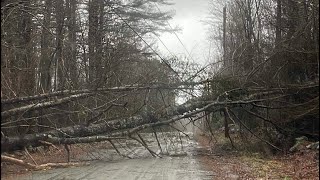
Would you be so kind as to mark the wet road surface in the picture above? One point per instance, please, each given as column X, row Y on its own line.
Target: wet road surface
column 176, row 163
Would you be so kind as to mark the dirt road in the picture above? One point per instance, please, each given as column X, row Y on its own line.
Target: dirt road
column 176, row 163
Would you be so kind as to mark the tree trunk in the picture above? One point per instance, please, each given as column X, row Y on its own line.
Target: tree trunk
column 45, row 58
column 71, row 64
column 60, row 62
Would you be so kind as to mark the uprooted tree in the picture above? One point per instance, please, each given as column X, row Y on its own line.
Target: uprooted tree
column 68, row 77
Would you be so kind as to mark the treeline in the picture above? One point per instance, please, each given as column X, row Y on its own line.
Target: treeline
column 269, row 45
column 50, row 46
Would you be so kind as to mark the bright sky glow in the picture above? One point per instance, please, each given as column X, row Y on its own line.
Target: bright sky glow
column 189, row 17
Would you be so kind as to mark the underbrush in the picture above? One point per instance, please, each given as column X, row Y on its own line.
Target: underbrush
column 255, row 159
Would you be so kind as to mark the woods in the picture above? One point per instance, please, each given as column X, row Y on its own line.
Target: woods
column 74, row 45
column 89, row 71
column 273, row 45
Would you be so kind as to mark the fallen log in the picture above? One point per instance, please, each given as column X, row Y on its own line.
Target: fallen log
column 33, row 107
column 81, row 91
column 122, row 127
column 34, row 140
column 41, row 166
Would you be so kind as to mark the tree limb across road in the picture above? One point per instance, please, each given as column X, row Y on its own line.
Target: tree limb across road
column 124, row 127
column 97, row 90
column 118, row 128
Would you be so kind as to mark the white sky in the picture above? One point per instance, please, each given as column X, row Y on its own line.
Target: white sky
column 189, row 14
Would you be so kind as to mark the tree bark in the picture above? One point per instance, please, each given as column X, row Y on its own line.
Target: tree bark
column 118, row 128
column 45, row 60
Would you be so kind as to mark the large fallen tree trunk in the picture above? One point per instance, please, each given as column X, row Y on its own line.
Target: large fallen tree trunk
column 85, row 134
column 122, row 127
column 71, row 95
column 18, row 142
column 126, row 126
column 33, row 107
column 97, row 90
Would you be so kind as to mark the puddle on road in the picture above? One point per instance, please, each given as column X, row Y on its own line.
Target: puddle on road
column 176, row 163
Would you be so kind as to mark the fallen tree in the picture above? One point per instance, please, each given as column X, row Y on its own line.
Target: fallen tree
column 82, row 130
column 136, row 87
column 125, row 127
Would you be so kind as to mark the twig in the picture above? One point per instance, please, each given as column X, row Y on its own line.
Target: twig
column 227, row 111
column 114, row 147
column 156, row 136
column 27, row 152
column 143, row 143
column 211, row 132
column 49, row 144
column 226, row 125
column 41, row 166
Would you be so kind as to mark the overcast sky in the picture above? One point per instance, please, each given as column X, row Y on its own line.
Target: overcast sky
column 189, row 14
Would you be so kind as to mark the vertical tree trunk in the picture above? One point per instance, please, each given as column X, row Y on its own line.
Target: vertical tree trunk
column 60, row 64
column 71, row 54
column 316, row 33
column 23, row 69
column 250, row 49
column 45, row 59
column 28, row 69
column 226, row 64
column 292, row 17
column 278, row 23
column 92, row 39
column 99, row 46
column 276, row 62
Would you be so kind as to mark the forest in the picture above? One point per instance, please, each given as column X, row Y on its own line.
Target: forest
column 87, row 71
